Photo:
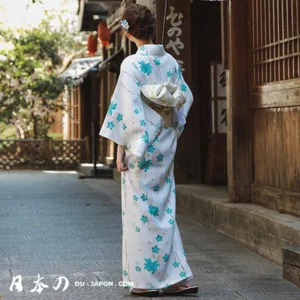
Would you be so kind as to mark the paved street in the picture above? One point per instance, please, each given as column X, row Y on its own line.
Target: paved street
column 54, row 224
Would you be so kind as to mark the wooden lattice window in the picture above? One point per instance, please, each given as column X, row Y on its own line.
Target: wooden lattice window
column 274, row 39
column 75, row 113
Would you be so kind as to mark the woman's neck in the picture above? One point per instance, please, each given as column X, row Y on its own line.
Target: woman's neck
column 140, row 43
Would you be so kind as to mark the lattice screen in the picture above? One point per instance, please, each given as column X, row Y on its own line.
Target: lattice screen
column 274, row 40
column 41, row 154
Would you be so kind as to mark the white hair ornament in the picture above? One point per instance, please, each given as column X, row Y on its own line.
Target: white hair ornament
column 125, row 25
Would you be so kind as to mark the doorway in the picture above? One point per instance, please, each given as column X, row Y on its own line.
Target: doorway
column 206, row 50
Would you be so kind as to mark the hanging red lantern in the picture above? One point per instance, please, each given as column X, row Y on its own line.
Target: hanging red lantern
column 104, row 34
column 92, row 44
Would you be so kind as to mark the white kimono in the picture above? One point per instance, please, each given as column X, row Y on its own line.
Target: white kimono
column 152, row 251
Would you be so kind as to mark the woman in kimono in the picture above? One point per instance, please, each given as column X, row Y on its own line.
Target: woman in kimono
column 146, row 116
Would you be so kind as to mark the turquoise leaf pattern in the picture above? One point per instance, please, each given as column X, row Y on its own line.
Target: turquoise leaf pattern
column 166, row 257
column 145, row 67
column 176, row 264
column 144, row 197
column 158, row 238
column 156, row 188
column 153, row 210
column 155, row 249
column 144, row 164
column 168, row 180
column 145, row 137
column 160, row 157
column 120, row 117
column 169, row 210
column 179, row 73
column 112, row 107
column 144, row 219
column 151, row 266
column 157, row 61
column 110, row 125
column 138, row 269
column 151, row 149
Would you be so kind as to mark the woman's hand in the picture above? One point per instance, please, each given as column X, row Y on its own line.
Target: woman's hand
column 120, row 159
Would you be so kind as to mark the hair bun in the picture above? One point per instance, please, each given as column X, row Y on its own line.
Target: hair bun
column 141, row 20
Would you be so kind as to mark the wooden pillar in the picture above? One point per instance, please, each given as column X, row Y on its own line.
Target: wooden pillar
column 95, row 117
column 111, row 86
column 79, row 121
column 70, row 113
column 177, row 42
column 103, row 109
column 238, row 113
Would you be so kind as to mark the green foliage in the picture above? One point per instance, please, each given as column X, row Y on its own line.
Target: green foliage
column 39, row 44
column 30, row 85
column 7, row 131
column 55, row 136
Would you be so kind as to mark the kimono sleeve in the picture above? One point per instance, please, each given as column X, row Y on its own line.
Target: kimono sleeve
column 125, row 121
column 181, row 114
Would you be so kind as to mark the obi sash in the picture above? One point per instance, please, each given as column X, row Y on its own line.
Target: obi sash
column 163, row 98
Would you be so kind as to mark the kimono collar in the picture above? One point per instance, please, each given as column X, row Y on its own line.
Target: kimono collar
column 151, row 49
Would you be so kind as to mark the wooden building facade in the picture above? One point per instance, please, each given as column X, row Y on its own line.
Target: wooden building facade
column 264, row 65
column 82, row 113
column 254, row 47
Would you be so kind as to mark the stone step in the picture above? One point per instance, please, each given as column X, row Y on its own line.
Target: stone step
column 291, row 264
column 103, row 171
column 262, row 230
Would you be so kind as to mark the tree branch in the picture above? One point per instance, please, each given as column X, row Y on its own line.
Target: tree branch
column 69, row 60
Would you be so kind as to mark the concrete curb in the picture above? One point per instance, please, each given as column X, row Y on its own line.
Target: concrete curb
column 260, row 229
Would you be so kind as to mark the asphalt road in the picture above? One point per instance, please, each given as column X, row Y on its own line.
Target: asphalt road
column 55, row 226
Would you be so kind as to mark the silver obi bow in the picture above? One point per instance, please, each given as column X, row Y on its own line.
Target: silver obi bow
column 166, row 94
